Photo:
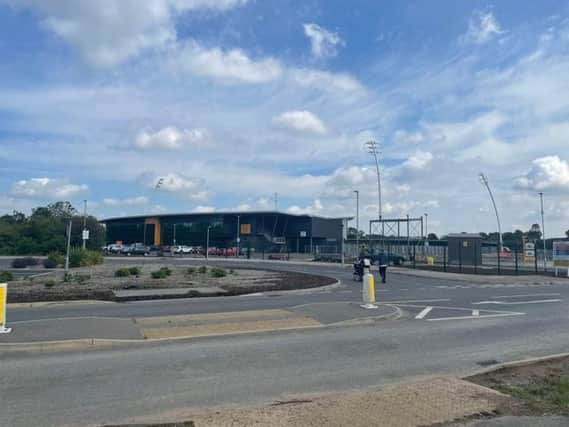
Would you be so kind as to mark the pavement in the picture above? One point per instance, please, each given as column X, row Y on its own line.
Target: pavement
column 448, row 327
column 550, row 421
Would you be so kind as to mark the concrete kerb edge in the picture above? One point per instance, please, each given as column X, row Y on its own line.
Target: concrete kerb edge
column 515, row 363
column 82, row 343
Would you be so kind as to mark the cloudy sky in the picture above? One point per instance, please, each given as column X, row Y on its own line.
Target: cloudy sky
column 230, row 101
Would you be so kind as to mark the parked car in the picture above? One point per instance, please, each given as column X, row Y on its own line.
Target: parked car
column 394, row 259
column 279, row 256
column 135, row 249
column 113, row 248
column 182, row 249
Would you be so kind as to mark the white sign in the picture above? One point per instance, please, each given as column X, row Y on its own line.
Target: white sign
column 303, row 234
column 85, row 234
column 3, row 299
column 561, row 255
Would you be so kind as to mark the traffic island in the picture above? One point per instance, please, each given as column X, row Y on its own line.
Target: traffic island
column 112, row 282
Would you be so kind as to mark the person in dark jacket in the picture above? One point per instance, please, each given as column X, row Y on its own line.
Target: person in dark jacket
column 383, row 263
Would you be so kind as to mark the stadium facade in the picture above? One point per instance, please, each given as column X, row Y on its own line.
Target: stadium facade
column 266, row 231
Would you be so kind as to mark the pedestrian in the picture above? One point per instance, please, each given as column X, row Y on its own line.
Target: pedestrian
column 383, row 263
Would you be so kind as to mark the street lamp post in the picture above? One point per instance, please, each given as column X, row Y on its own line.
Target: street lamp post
column 238, row 234
column 426, row 226
column 84, row 233
column 357, row 223
column 373, row 149
column 543, row 232
column 484, row 182
column 207, row 242
column 174, row 237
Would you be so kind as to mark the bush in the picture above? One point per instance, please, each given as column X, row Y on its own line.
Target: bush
column 49, row 284
column 122, row 272
column 135, row 271
column 24, row 262
column 57, row 257
column 202, row 269
column 6, row 276
column 217, row 272
column 49, row 263
column 79, row 257
column 231, row 271
column 161, row 274
column 191, row 270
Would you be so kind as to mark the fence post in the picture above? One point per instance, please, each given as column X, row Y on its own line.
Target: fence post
column 475, row 264
column 516, row 259
column 414, row 256
column 535, row 260
column 460, row 257
column 499, row 260
column 445, row 248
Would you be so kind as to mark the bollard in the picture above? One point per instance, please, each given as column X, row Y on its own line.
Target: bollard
column 3, row 299
column 368, row 287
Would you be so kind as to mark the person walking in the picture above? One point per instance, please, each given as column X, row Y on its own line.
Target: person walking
column 383, row 263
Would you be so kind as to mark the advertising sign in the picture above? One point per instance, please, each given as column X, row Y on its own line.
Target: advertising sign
column 561, row 255
column 85, row 234
column 3, row 298
column 245, row 228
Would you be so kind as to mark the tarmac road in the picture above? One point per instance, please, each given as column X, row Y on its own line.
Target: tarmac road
column 449, row 327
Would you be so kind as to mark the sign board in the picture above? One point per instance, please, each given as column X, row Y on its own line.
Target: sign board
column 3, row 299
column 303, row 234
column 85, row 234
column 245, row 228
column 529, row 251
column 561, row 255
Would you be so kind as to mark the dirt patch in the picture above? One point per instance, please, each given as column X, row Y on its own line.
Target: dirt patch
column 99, row 282
column 540, row 388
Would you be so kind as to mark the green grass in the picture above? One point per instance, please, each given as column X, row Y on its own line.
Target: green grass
column 550, row 395
column 191, row 270
column 122, row 272
column 217, row 272
column 161, row 274
column 6, row 276
column 202, row 269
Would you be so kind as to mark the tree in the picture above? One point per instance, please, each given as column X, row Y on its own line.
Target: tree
column 432, row 236
column 567, row 234
column 352, row 233
column 534, row 233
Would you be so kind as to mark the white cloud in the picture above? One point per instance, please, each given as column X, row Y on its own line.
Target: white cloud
column 203, row 209
column 550, row 172
column 419, row 160
column 482, row 27
column 181, row 185
column 172, row 138
column 337, row 83
column 108, row 32
column 314, row 209
column 322, row 42
column 129, row 201
column 48, row 188
column 232, row 66
column 300, row 121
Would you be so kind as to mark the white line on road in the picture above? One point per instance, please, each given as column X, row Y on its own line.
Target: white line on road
column 476, row 312
column 543, row 301
column 415, row 300
column 485, row 316
column 423, row 313
column 527, row 296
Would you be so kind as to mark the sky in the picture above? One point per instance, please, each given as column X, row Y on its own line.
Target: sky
column 227, row 102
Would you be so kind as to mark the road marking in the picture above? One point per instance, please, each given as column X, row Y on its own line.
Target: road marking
column 544, row 301
column 423, row 313
column 485, row 316
column 476, row 312
column 527, row 296
column 415, row 300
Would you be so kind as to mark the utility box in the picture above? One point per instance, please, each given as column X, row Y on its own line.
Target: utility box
column 465, row 249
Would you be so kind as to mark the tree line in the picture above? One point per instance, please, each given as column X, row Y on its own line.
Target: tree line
column 44, row 230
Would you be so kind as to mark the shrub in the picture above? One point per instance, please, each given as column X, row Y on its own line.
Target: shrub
column 57, row 257
column 49, row 284
column 79, row 257
column 231, row 271
column 6, row 276
column 217, row 272
column 161, row 274
column 202, row 269
column 81, row 278
column 49, row 263
column 135, row 271
column 191, row 270
column 122, row 272
column 24, row 262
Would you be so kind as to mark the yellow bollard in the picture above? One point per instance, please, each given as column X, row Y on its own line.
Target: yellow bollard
column 368, row 291
column 3, row 298
column 372, row 289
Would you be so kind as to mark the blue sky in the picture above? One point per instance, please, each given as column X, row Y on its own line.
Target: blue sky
column 230, row 101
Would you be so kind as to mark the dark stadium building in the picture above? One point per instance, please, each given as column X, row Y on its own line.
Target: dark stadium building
column 267, row 231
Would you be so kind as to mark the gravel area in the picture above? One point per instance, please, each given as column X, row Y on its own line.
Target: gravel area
column 99, row 282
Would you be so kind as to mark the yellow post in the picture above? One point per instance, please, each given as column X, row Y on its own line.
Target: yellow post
column 3, row 300
column 372, row 289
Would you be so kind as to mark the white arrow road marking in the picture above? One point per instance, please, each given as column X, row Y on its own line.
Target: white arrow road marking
column 543, row 301
column 476, row 312
column 423, row 313
column 484, row 316
column 527, row 296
